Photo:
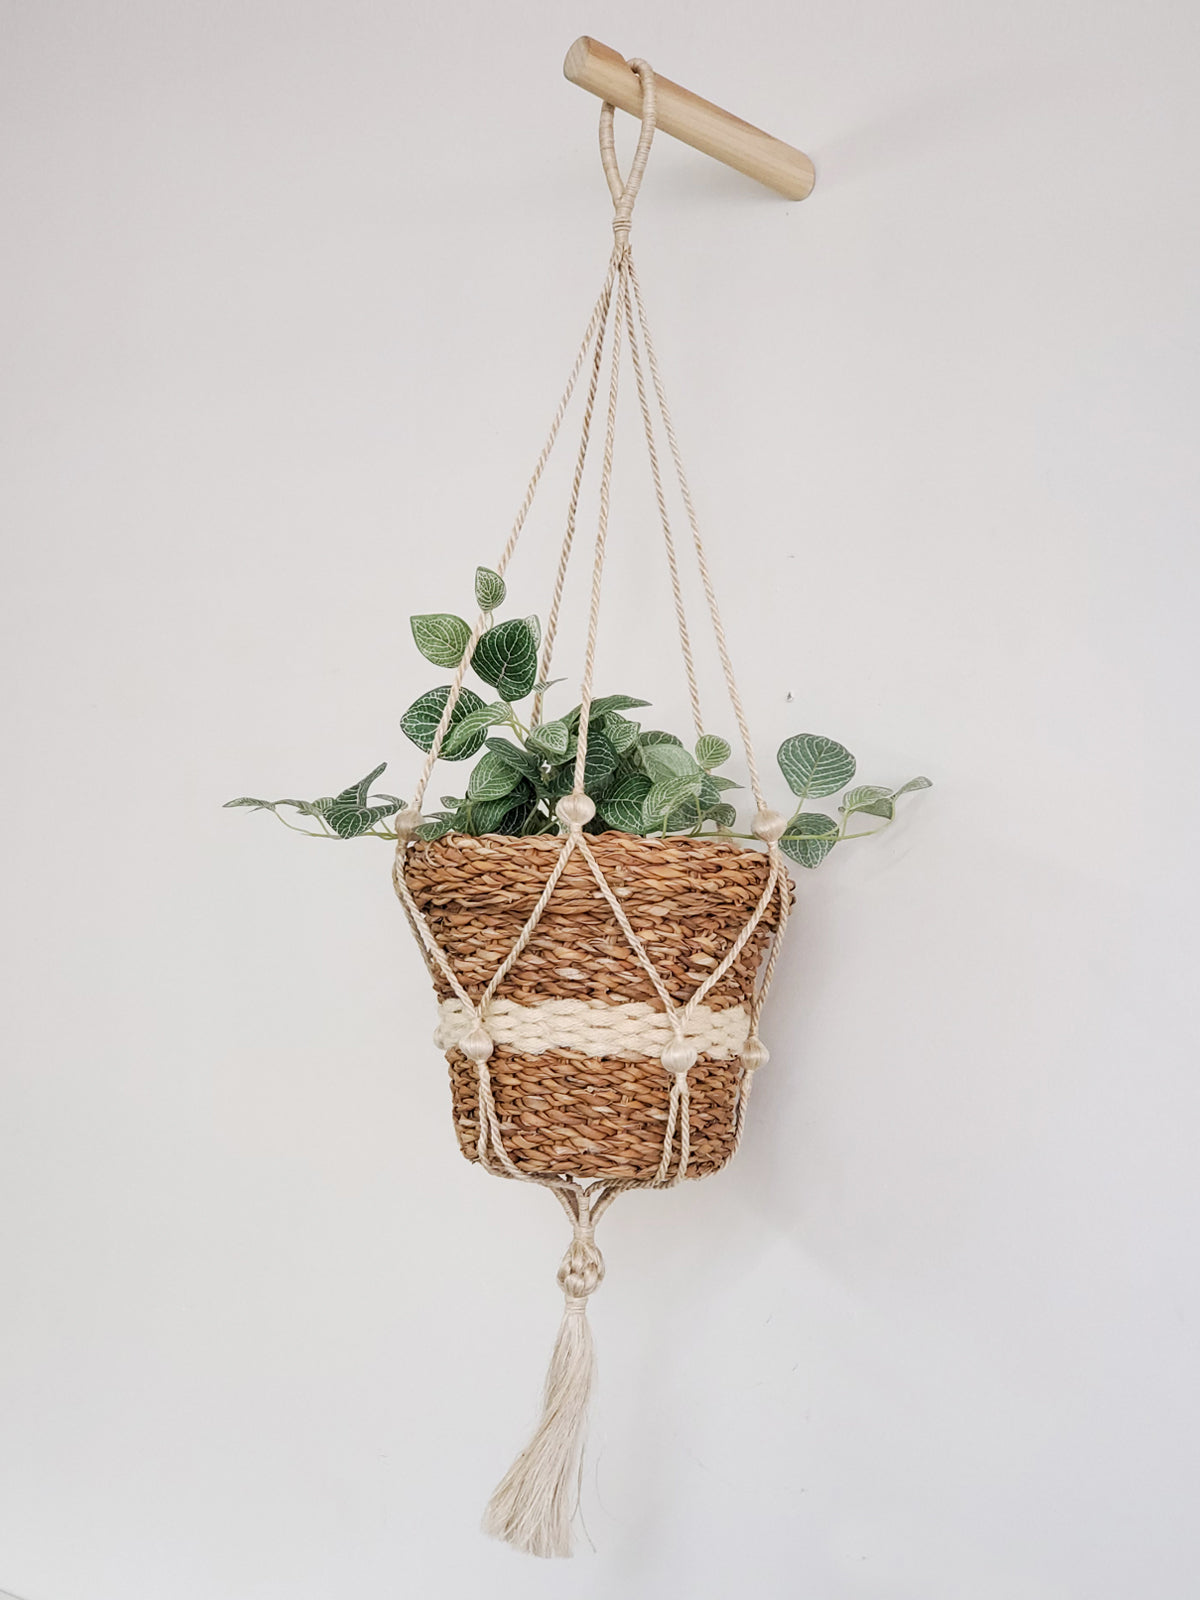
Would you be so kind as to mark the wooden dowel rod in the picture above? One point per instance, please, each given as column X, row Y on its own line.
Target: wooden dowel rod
column 593, row 66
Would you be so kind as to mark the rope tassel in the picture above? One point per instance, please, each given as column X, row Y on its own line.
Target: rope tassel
column 535, row 1503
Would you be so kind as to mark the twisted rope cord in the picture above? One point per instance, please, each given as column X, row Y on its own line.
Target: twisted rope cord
column 746, row 1078
column 606, row 466
column 739, row 944
column 564, row 558
column 735, row 698
column 599, row 314
column 685, row 643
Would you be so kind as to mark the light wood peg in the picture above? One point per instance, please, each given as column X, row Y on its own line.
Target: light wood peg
column 593, row 66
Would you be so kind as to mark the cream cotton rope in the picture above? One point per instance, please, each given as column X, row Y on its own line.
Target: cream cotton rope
column 535, row 1503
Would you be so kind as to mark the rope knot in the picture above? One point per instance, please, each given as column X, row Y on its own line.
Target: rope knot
column 624, row 190
column 582, row 1270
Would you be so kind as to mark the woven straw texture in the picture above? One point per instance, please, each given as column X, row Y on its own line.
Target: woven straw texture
column 688, row 899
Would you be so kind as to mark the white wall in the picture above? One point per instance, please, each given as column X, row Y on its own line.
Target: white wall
column 293, row 288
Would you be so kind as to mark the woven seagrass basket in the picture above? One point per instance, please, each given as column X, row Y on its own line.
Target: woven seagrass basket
column 566, row 1108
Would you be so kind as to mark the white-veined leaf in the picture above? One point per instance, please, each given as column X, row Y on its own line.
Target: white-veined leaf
column 490, row 589
column 663, row 761
column 441, row 638
column 809, row 838
column 550, row 739
column 912, row 785
column 506, row 657
column 622, row 807
column 465, row 729
column 814, row 765
column 492, row 778
column 621, row 733
column 712, row 750
column 421, row 719
column 665, row 795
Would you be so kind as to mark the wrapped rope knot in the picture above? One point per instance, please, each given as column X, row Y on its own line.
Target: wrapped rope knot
column 582, row 1269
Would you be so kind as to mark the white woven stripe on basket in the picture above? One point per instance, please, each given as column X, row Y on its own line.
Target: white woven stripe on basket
column 595, row 1028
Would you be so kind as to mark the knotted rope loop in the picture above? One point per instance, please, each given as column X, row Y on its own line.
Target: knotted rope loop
column 624, row 190
column 582, row 1270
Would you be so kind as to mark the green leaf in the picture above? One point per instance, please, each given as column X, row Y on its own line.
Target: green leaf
column 491, row 778
column 543, row 684
column 912, row 785
column 349, row 821
column 712, row 787
column 601, row 708
column 662, row 761
column 309, row 808
column 814, row 765
column 665, row 795
column 872, row 798
column 599, row 764
column 485, row 816
column 614, row 702
column 420, row 721
column 441, row 638
column 522, row 761
column 535, row 628
column 490, row 589
column 620, row 732
column 622, row 806
column 712, row 750
column 550, row 739
column 809, row 838
column 463, row 732
column 723, row 814
column 652, row 736
column 435, row 828
column 506, row 657
column 351, row 813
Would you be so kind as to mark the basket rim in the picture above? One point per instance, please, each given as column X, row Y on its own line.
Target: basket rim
column 611, row 835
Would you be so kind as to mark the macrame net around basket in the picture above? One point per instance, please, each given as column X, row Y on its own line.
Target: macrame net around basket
column 600, row 994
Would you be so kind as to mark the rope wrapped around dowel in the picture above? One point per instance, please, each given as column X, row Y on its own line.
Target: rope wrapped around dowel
column 535, row 1502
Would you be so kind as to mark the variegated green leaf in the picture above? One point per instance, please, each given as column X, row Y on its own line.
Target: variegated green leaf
column 492, row 778
column 809, row 838
column 522, row 761
column 421, row 719
column 621, row 733
column 465, row 731
column 712, row 750
column 622, row 807
column 912, row 785
column 506, row 657
column 599, row 764
column 435, row 827
column 872, row 798
column 814, row 765
column 663, row 761
column 490, row 589
column 550, row 739
column 665, row 795
column 723, row 814
column 441, row 638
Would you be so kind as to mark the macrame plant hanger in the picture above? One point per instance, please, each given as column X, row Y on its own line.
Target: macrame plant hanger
column 535, row 1503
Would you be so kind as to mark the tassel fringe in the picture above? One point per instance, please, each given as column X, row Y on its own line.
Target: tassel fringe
column 535, row 1503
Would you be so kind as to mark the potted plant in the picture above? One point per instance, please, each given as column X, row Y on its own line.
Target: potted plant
column 666, row 828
